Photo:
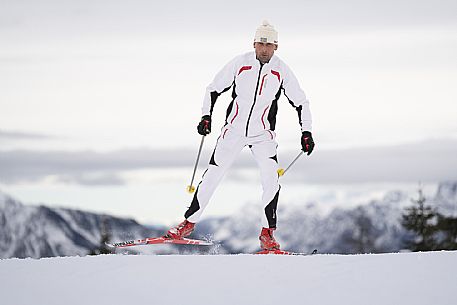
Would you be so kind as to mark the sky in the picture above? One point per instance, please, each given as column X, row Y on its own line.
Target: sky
column 102, row 97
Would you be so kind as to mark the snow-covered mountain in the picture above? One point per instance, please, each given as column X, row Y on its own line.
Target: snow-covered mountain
column 40, row 231
column 374, row 227
column 446, row 198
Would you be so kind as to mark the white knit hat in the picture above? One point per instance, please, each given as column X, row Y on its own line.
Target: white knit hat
column 266, row 33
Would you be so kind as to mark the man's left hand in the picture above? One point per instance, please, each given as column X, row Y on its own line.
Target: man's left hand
column 307, row 142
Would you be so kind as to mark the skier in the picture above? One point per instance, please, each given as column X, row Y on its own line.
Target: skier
column 257, row 80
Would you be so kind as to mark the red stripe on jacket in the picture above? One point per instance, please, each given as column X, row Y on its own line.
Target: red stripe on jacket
column 265, row 111
column 277, row 74
column 261, row 86
column 236, row 113
column 244, row 68
column 224, row 133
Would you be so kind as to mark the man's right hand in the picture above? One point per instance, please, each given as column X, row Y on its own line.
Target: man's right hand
column 204, row 127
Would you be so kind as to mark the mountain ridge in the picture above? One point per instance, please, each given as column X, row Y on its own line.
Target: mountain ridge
column 375, row 227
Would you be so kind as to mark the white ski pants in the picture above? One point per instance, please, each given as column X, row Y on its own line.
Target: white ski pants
column 228, row 146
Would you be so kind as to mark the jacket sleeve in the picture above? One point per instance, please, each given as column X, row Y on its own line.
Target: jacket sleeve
column 222, row 82
column 297, row 98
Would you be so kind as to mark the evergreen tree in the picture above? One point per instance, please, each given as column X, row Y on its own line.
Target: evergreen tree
column 421, row 220
column 104, row 238
column 360, row 236
column 447, row 227
column 364, row 232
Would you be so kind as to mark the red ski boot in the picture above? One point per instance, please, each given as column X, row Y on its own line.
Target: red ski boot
column 267, row 240
column 182, row 230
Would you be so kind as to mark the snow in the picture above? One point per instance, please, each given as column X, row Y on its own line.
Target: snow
column 404, row 278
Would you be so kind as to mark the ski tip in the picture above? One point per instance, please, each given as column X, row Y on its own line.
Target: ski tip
column 111, row 246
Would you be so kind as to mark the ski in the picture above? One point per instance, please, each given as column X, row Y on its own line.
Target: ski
column 282, row 252
column 189, row 241
column 159, row 240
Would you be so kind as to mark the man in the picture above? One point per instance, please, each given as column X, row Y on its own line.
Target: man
column 257, row 80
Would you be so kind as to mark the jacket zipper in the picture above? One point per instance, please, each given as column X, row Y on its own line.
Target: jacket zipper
column 255, row 98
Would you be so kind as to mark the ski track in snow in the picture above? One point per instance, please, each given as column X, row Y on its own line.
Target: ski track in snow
column 388, row 279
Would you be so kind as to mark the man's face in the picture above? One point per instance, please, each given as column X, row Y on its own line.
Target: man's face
column 264, row 51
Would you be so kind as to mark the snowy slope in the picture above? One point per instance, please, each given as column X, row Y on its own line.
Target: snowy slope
column 383, row 279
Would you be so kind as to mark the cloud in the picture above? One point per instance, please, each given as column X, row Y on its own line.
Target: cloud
column 92, row 179
column 86, row 167
column 428, row 161
column 17, row 135
column 74, row 17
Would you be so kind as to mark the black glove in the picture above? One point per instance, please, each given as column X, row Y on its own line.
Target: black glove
column 204, row 127
column 307, row 142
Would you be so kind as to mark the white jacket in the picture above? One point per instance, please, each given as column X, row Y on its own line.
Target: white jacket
column 256, row 90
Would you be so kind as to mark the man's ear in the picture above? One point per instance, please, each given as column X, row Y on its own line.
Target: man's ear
column 253, row 44
column 276, row 47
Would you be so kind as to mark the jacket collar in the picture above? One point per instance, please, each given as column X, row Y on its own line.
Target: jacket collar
column 254, row 58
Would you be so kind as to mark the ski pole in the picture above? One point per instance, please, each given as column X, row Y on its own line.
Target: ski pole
column 191, row 188
column 282, row 171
